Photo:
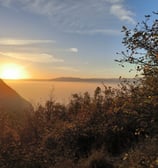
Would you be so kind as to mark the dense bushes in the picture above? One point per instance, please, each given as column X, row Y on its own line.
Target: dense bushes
column 106, row 130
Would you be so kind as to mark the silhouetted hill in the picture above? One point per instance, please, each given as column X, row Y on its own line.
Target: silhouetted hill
column 11, row 101
column 73, row 79
column 77, row 79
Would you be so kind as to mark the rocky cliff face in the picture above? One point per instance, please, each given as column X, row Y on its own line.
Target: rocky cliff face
column 11, row 101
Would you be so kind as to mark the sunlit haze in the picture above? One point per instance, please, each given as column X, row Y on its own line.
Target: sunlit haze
column 12, row 71
column 54, row 38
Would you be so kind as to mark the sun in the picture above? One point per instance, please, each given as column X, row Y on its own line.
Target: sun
column 12, row 71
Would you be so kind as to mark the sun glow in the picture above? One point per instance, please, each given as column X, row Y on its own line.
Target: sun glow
column 12, row 71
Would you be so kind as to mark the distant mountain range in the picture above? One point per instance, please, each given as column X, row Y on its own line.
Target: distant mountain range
column 72, row 79
column 75, row 79
column 11, row 101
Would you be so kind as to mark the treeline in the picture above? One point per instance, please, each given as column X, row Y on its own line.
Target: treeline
column 114, row 128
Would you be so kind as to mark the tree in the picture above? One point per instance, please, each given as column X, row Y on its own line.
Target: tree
column 142, row 50
column 142, row 46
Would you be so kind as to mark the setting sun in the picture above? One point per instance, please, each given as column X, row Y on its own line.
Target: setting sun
column 12, row 71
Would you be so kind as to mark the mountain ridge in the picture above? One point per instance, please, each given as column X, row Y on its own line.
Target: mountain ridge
column 75, row 79
column 11, row 101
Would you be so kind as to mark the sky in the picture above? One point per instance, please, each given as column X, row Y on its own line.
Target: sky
column 77, row 38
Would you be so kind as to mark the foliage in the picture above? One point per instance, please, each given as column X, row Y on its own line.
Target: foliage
column 142, row 46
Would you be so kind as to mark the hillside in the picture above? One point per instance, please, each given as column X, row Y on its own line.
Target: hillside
column 11, row 101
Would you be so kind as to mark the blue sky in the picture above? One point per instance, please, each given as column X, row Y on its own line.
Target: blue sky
column 52, row 38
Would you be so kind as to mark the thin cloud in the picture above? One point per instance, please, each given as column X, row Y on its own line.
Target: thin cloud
column 5, row 3
column 121, row 13
column 66, row 68
column 97, row 31
column 74, row 50
column 19, row 42
column 114, row 1
column 75, row 15
column 33, row 57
